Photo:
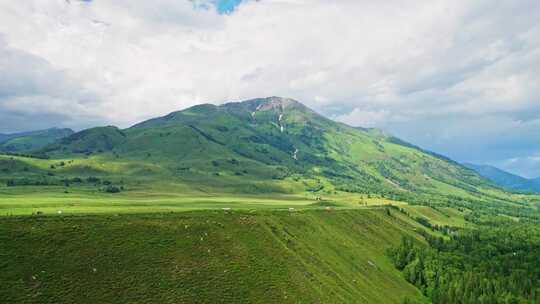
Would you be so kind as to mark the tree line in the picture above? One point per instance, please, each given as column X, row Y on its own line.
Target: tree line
column 496, row 264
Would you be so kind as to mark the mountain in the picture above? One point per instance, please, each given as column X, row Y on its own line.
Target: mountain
column 278, row 145
column 506, row 179
column 21, row 142
column 96, row 139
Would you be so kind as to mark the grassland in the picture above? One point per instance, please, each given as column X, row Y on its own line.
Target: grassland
column 52, row 200
column 315, row 256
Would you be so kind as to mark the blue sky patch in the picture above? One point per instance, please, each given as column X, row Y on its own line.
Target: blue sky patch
column 222, row 6
column 227, row 6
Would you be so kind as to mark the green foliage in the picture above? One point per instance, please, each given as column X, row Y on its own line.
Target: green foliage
column 31, row 182
column 112, row 189
column 495, row 264
column 27, row 155
column 93, row 179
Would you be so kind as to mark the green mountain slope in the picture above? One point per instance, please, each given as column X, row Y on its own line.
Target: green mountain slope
column 21, row 142
column 265, row 145
column 95, row 140
column 506, row 179
column 205, row 257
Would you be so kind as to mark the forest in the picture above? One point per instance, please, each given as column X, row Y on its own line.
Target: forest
column 495, row 263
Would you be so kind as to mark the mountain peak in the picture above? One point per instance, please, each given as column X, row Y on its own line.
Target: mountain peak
column 274, row 103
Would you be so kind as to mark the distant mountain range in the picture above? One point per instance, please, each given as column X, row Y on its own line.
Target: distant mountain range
column 506, row 179
column 25, row 141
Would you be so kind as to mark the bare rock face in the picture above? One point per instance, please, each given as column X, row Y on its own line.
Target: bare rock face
column 277, row 104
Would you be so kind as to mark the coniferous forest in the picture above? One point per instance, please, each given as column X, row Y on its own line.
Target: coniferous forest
column 496, row 263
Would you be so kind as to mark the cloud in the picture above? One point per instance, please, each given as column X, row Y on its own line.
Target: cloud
column 33, row 94
column 453, row 76
column 364, row 118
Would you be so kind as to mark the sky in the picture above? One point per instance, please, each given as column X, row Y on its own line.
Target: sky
column 460, row 78
column 227, row 6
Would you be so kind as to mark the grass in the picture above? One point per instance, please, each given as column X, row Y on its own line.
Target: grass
column 50, row 200
column 439, row 216
column 312, row 256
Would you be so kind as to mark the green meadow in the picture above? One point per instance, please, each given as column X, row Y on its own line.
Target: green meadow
column 309, row 256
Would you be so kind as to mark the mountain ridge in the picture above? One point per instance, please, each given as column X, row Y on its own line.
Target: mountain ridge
column 24, row 141
column 506, row 179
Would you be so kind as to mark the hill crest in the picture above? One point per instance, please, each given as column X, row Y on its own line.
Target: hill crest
column 24, row 141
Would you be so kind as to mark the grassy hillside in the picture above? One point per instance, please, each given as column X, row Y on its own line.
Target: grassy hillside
column 27, row 141
column 204, row 257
